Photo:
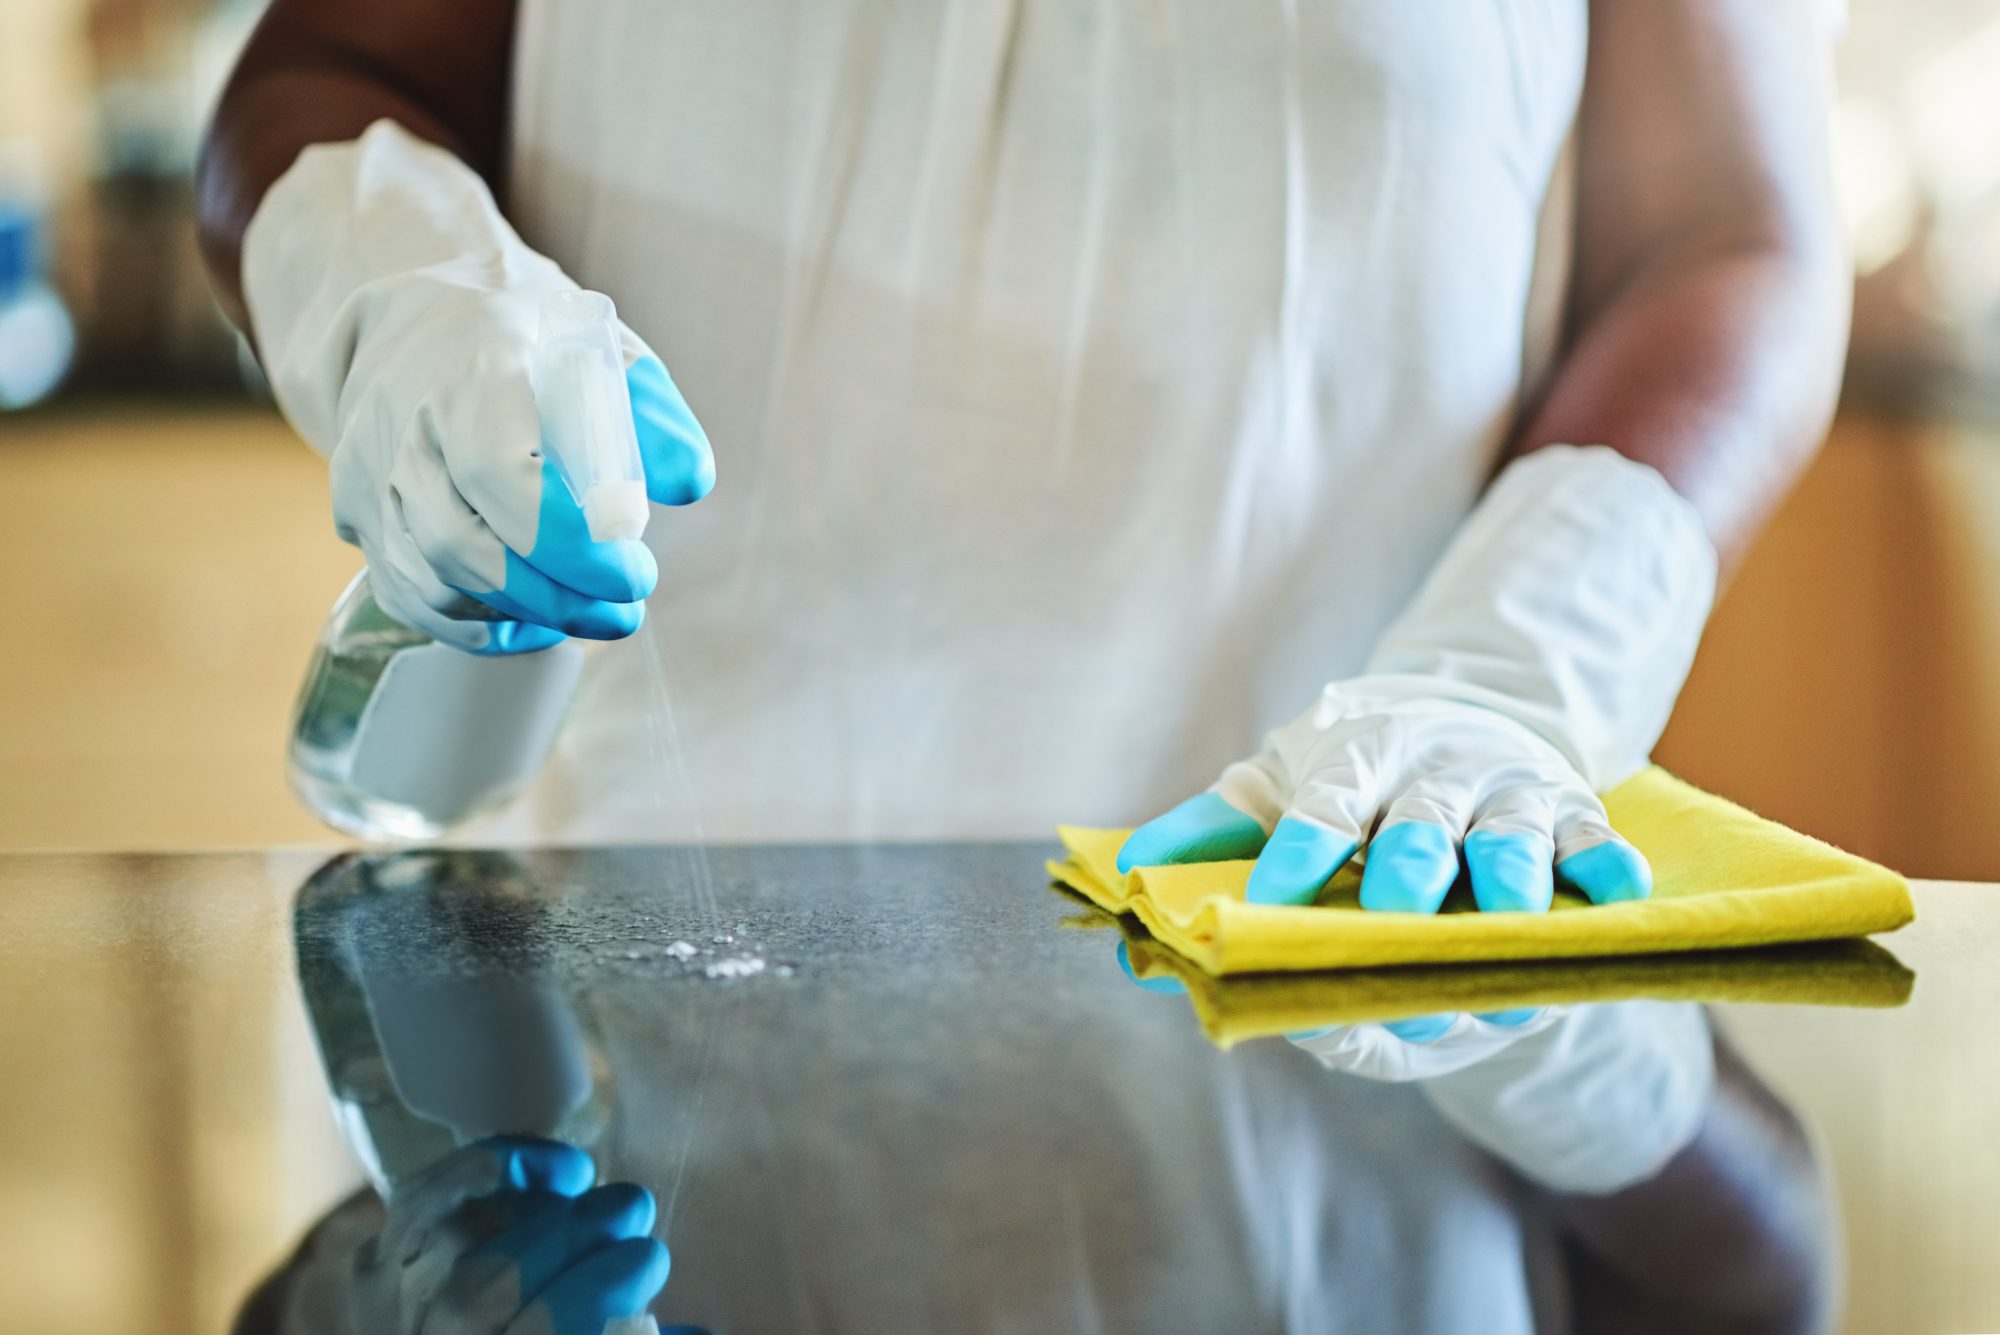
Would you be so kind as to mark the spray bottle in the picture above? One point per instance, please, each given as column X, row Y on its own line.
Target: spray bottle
column 397, row 737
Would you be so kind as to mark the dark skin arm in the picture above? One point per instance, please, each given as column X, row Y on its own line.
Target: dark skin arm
column 317, row 71
column 1735, row 1235
column 1708, row 324
column 1707, row 329
column 1711, row 285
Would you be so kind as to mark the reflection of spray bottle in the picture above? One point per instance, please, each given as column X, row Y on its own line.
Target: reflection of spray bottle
column 437, row 1013
column 398, row 737
column 37, row 339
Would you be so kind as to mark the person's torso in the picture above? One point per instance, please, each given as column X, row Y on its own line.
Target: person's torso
column 1089, row 380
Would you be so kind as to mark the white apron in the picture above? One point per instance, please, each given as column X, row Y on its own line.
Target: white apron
column 1090, row 380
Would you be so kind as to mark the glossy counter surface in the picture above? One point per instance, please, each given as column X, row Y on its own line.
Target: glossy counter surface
column 913, row 1089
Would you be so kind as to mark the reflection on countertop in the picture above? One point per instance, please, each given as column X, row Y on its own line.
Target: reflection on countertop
column 938, row 1063
column 1114, row 1174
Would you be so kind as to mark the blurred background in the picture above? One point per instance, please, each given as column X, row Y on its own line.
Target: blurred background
column 1850, row 684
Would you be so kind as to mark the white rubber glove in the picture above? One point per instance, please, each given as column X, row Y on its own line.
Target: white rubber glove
column 1535, row 669
column 1422, row 1047
column 1590, row 1099
column 396, row 312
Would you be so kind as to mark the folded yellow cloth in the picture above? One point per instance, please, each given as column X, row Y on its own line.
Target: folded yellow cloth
column 1233, row 1010
column 1722, row 877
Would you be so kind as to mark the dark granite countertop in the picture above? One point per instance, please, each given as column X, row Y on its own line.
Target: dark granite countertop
column 912, row 1088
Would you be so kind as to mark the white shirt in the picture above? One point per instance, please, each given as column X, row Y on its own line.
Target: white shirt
column 1090, row 380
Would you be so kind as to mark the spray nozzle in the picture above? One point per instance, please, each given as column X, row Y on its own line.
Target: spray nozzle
column 586, row 410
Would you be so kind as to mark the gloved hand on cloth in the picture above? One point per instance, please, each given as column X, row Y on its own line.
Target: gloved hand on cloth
column 1535, row 669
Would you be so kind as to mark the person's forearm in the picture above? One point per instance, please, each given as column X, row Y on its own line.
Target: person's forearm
column 1711, row 283
column 259, row 132
column 1718, row 367
column 322, row 71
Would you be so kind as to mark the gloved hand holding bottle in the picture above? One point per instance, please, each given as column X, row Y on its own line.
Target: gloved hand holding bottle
column 407, row 352
column 495, row 436
column 1535, row 670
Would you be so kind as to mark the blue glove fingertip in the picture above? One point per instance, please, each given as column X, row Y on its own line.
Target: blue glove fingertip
column 1411, row 867
column 564, row 553
column 1166, row 986
column 1511, row 872
column 520, row 637
column 553, row 1231
column 1609, row 873
column 1421, row 1028
column 616, row 1210
column 608, row 621
column 531, row 597
column 679, row 463
column 620, row 1279
column 531, row 1164
column 1297, row 862
column 1509, row 1019
column 1202, row 829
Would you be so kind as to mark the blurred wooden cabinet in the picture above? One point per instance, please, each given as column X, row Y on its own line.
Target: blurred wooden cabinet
column 1850, row 681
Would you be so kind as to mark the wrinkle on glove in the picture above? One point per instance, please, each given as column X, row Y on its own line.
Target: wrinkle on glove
column 1723, row 878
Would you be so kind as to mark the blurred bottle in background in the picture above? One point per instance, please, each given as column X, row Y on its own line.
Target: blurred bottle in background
column 37, row 338
column 1917, row 156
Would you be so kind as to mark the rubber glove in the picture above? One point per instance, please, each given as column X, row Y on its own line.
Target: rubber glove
column 503, row 1237
column 1423, row 1046
column 1585, row 1099
column 1164, row 985
column 396, row 312
column 1535, row 669
column 1579, row 1099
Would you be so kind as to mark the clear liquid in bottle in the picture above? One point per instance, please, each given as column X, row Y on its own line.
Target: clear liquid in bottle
column 399, row 738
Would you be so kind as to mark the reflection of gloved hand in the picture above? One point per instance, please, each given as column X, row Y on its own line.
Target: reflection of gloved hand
column 1165, row 985
column 1589, row 1099
column 1424, row 1046
column 504, row 1237
column 1392, row 1051
column 1580, row 1099
column 1535, row 669
column 396, row 312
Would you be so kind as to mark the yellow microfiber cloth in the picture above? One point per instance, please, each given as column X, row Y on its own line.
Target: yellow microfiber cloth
column 1722, row 877
column 1234, row 1010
